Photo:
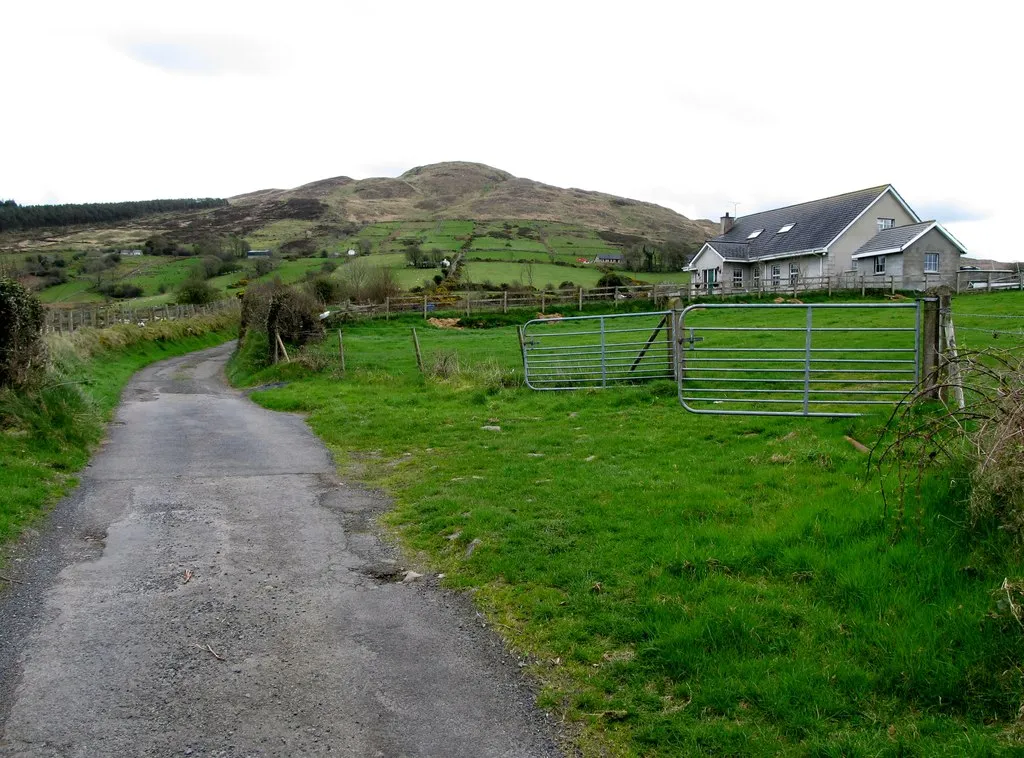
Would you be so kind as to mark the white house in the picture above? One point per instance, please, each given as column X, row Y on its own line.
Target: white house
column 836, row 235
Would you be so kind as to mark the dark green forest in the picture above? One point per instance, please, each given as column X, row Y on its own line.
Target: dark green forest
column 14, row 217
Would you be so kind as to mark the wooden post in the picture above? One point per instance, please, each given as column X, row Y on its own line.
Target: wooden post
column 951, row 358
column 863, row 286
column 467, row 303
column 542, row 299
column 341, row 351
column 424, row 310
column 416, row 345
column 504, row 300
column 829, row 280
column 280, row 343
column 277, row 354
column 892, row 283
column 581, row 299
column 387, row 310
column 930, row 347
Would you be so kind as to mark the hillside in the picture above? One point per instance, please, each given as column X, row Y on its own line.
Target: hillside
column 335, row 208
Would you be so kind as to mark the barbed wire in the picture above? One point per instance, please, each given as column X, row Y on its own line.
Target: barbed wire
column 987, row 331
column 988, row 315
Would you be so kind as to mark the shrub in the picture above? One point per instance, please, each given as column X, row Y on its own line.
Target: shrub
column 289, row 311
column 121, row 291
column 195, row 291
column 324, row 289
column 262, row 266
column 22, row 352
column 613, row 279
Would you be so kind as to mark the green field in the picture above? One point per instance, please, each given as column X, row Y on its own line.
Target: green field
column 681, row 584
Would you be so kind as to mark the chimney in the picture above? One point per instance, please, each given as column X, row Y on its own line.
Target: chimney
column 727, row 221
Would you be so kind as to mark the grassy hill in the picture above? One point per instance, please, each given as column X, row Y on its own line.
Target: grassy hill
column 508, row 230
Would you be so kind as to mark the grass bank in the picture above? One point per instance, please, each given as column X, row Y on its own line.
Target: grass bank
column 680, row 584
column 47, row 433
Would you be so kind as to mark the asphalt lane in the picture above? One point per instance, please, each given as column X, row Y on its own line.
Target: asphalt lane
column 212, row 589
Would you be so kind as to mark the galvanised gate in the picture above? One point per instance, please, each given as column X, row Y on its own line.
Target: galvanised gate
column 791, row 359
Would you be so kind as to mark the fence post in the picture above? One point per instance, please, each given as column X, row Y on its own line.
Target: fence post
column 467, row 303
column 892, row 283
column 581, row 299
column 416, row 345
column 863, row 286
column 542, row 300
column 424, row 307
column 504, row 300
column 341, row 351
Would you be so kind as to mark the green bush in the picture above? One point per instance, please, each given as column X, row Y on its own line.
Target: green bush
column 196, row 291
column 22, row 352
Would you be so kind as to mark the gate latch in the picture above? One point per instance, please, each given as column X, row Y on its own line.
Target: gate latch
column 693, row 338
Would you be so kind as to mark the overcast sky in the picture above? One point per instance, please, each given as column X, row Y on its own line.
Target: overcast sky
column 695, row 106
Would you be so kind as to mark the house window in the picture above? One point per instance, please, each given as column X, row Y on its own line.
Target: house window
column 886, row 223
column 754, row 233
column 776, row 274
column 757, row 275
column 880, row 264
column 931, row 263
column 737, row 278
column 794, row 273
column 786, row 228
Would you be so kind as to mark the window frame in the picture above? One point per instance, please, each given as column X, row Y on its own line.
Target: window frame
column 885, row 223
column 879, row 270
column 785, row 228
column 776, row 272
column 755, row 234
column 937, row 263
column 794, row 272
column 737, row 278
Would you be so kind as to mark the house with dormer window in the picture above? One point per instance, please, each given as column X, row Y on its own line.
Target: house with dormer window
column 871, row 232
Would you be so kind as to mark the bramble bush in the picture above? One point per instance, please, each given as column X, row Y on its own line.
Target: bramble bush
column 22, row 351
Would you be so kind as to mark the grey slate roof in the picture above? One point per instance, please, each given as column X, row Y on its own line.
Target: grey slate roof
column 815, row 224
column 894, row 238
column 731, row 250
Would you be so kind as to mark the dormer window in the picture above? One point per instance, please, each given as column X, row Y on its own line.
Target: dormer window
column 886, row 223
column 785, row 228
column 754, row 233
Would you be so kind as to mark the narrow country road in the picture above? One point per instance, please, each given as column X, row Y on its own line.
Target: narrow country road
column 212, row 590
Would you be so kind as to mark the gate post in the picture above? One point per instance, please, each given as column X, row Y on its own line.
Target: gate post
column 930, row 347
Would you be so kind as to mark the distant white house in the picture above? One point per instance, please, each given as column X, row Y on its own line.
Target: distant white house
column 130, row 252
column 352, row 253
column 258, row 254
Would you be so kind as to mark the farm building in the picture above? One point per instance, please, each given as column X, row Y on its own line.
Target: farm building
column 610, row 259
column 258, row 254
column 871, row 232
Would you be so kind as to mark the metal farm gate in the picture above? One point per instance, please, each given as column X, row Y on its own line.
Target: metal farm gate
column 738, row 359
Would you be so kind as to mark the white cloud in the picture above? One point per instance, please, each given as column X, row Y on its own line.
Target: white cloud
column 691, row 105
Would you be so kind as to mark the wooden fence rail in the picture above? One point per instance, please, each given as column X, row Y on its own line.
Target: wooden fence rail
column 469, row 302
column 63, row 320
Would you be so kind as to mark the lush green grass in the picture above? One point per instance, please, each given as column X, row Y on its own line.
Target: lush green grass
column 682, row 584
column 543, row 274
column 47, row 433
